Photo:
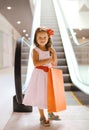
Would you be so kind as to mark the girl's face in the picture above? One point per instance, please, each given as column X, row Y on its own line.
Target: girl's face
column 42, row 38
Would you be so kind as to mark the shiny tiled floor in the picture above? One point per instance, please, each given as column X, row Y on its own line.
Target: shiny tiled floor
column 6, row 94
column 75, row 117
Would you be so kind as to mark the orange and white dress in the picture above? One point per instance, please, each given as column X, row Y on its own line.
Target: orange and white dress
column 36, row 93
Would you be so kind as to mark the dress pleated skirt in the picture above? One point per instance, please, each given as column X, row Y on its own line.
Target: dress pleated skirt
column 36, row 92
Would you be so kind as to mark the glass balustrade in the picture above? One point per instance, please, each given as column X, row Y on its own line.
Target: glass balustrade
column 78, row 30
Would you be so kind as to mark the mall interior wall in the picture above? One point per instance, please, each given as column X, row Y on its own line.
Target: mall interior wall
column 8, row 37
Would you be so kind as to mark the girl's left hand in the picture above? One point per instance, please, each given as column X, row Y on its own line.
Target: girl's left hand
column 53, row 55
column 51, row 50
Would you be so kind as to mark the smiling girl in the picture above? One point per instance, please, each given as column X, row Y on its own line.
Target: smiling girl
column 44, row 57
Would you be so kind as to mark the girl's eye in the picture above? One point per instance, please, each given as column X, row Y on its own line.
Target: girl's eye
column 41, row 38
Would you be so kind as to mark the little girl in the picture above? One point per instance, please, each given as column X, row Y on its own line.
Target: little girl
column 44, row 56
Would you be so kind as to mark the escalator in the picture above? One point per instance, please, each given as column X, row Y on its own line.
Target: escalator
column 48, row 19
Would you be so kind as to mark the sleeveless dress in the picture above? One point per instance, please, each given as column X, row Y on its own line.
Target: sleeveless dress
column 36, row 93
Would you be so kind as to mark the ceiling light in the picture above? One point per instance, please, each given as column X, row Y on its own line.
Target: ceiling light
column 26, row 35
column 24, row 30
column 18, row 22
column 9, row 7
column 83, row 38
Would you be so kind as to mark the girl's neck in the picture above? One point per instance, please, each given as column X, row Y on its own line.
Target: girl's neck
column 43, row 48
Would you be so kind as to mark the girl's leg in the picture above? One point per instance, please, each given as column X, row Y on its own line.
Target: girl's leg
column 41, row 111
column 43, row 120
column 52, row 116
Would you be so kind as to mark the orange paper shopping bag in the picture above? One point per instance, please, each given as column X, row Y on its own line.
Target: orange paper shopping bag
column 56, row 95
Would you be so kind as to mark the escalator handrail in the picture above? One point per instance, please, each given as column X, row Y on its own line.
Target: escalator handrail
column 17, row 71
column 17, row 68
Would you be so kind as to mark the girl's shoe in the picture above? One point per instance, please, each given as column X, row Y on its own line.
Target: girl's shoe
column 51, row 116
column 44, row 122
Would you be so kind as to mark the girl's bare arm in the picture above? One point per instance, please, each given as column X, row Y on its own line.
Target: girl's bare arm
column 38, row 62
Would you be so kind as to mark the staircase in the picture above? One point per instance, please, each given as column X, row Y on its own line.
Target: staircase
column 48, row 19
